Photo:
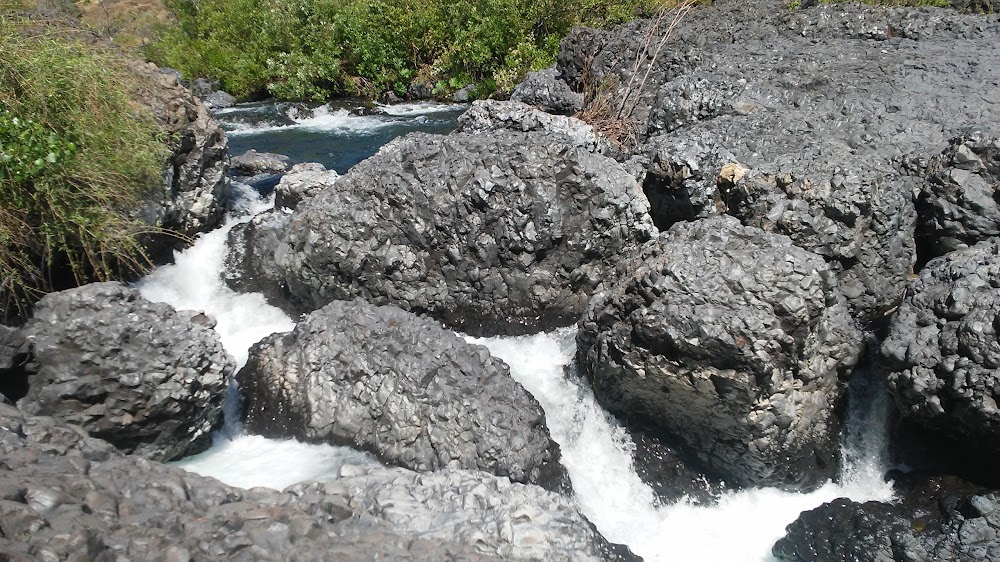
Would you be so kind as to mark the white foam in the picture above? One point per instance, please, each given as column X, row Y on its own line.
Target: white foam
column 418, row 108
column 322, row 119
column 194, row 282
column 597, row 453
column 249, row 461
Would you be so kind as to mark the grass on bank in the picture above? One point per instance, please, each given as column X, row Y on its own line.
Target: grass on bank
column 316, row 49
column 77, row 157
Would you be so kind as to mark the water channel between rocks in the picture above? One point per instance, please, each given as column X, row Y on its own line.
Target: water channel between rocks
column 596, row 450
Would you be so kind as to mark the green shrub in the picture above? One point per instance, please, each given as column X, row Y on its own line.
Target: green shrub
column 315, row 49
column 77, row 156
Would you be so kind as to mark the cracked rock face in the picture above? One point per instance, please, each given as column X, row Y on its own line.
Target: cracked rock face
column 731, row 341
column 942, row 355
column 502, row 234
column 64, row 495
column 415, row 394
column 821, row 107
column 140, row 375
column 196, row 189
column 847, row 531
column 959, row 203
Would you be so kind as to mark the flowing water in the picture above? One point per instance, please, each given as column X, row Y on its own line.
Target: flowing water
column 596, row 450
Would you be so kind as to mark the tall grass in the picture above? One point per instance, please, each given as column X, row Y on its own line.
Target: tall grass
column 77, row 157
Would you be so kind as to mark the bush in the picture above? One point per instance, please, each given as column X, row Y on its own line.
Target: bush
column 315, row 49
column 77, row 157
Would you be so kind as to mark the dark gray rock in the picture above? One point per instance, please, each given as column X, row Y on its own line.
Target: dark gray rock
column 959, row 203
column 963, row 529
column 64, row 495
column 731, row 341
column 15, row 355
column 487, row 116
column 502, row 234
column 819, row 106
column 942, row 355
column 302, row 182
column 847, row 531
column 546, row 90
column 252, row 163
column 250, row 265
column 385, row 380
column 138, row 374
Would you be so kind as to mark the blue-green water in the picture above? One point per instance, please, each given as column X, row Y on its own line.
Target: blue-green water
column 337, row 135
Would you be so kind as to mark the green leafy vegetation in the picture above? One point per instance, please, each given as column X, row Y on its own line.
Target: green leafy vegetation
column 316, row 49
column 77, row 156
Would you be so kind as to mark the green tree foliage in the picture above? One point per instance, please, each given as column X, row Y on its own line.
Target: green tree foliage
column 77, row 155
column 315, row 49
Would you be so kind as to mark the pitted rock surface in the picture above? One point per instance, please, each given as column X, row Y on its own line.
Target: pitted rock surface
column 302, row 182
column 967, row 530
column 63, row 494
column 818, row 107
column 733, row 342
column 415, row 394
column 146, row 378
column 196, row 189
column 502, row 234
column 546, row 90
column 486, row 116
column 959, row 204
column 942, row 355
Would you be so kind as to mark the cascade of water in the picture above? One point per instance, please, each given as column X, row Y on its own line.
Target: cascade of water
column 597, row 451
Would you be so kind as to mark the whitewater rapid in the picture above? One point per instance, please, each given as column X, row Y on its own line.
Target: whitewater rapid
column 596, row 450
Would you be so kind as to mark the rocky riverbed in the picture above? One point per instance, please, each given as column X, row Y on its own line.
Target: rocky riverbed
column 801, row 195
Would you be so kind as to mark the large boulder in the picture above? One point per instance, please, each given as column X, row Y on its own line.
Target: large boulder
column 942, row 355
column 140, row 375
column 252, row 163
column 385, row 380
column 302, row 182
column 251, row 247
column 959, row 203
column 733, row 342
column 546, row 90
column 961, row 529
column 799, row 122
column 64, row 495
column 195, row 191
column 502, row 234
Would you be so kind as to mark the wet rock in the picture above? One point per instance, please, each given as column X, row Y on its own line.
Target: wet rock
column 138, row 374
column 252, row 163
column 219, row 100
column 196, row 190
column 302, row 182
column 502, row 234
column 251, row 247
column 64, row 494
column 731, row 341
column 546, row 90
column 486, row 116
column 942, row 356
column 846, row 531
column 959, row 205
column 385, row 380
column 956, row 528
